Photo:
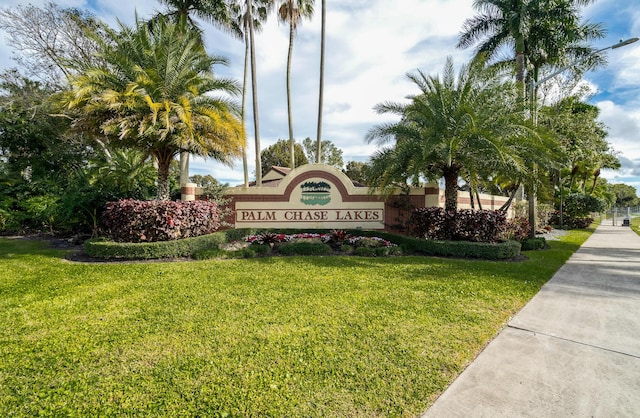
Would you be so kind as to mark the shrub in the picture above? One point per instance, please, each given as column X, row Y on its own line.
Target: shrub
column 464, row 225
column 261, row 249
column 131, row 220
column 337, row 238
column 531, row 244
column 346, row 249
column 268, row 238
column 579, row 205
column 580, row 223
column 210, row 253
column 365, row 251
column 304, row 248
column 409, row 245
column 571, row 222
column 187, row 247
column 517, row 229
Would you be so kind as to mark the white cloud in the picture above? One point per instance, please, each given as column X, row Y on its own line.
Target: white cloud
column 371, row 45
column 623, row 126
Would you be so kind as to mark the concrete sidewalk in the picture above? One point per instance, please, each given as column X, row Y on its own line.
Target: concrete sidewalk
column 573, row 350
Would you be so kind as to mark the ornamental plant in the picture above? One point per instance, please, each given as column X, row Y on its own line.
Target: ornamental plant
column 463, row 225
column 130, row 220
column 275, row 238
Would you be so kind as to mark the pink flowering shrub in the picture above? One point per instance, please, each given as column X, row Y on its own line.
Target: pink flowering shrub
column 130, row 220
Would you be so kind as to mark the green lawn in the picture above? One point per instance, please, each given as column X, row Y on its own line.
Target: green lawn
column 282, row 336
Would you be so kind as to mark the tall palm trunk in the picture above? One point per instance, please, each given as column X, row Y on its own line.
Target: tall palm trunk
column 292, row 157
column 245, row 164
column 184, row 168
column 321, row 89
column 254, row 91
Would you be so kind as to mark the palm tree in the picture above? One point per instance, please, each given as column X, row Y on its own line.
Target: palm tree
column 321, row 88
column 240, row 15
column 540, row 32
column 215, row 12
column 455, row 125
column 154, row 95
column 180, row 12
column 293, row 12
column 543, row 31
column 254, row 92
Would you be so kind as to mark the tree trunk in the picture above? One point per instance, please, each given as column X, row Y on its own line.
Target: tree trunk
column 451, row 189
column 596, row 176
column 321, row 89
column 184, row 168
column 478, row 197
column 245, row 164
column 531, row 197
column 164, row 164
column 510, row 200
column 292, row 157
column 254, row 90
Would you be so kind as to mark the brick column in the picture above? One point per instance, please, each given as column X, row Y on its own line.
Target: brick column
column 188, row 192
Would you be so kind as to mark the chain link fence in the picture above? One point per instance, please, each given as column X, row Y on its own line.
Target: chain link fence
column 621, row 216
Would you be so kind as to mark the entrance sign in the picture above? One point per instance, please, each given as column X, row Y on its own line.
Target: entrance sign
column 318, row 196
column 313, row 196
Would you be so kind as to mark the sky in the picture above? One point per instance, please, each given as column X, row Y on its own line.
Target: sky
column 370, row 47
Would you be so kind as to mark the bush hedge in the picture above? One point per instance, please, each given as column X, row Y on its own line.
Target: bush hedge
column 533, row 244
column 410, row 245
column 187, row 247
column 207, row 246
column 129, row 220
column 463, row 225
column 571, row 222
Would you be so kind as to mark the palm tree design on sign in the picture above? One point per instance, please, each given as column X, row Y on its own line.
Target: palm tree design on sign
column 315, row 193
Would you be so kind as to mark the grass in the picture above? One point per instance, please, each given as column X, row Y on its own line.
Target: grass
column 281, row 336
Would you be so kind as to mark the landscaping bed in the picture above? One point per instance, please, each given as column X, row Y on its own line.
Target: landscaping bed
column 250, row 243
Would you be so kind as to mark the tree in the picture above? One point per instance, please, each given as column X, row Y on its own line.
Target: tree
column 153, row 95
column 539, row 31
column 293, row 12
column 454, row 125
column 240, row 15
column 51, row 42
column 32, row 141
column 357, row 171
column 215, row 12
column 626, row 195
column 278, row 155
column 321, row 87
column 331, row 155
column 254, row 92
column 582, row 139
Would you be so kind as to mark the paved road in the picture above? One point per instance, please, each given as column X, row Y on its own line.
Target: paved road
column 572, row 351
